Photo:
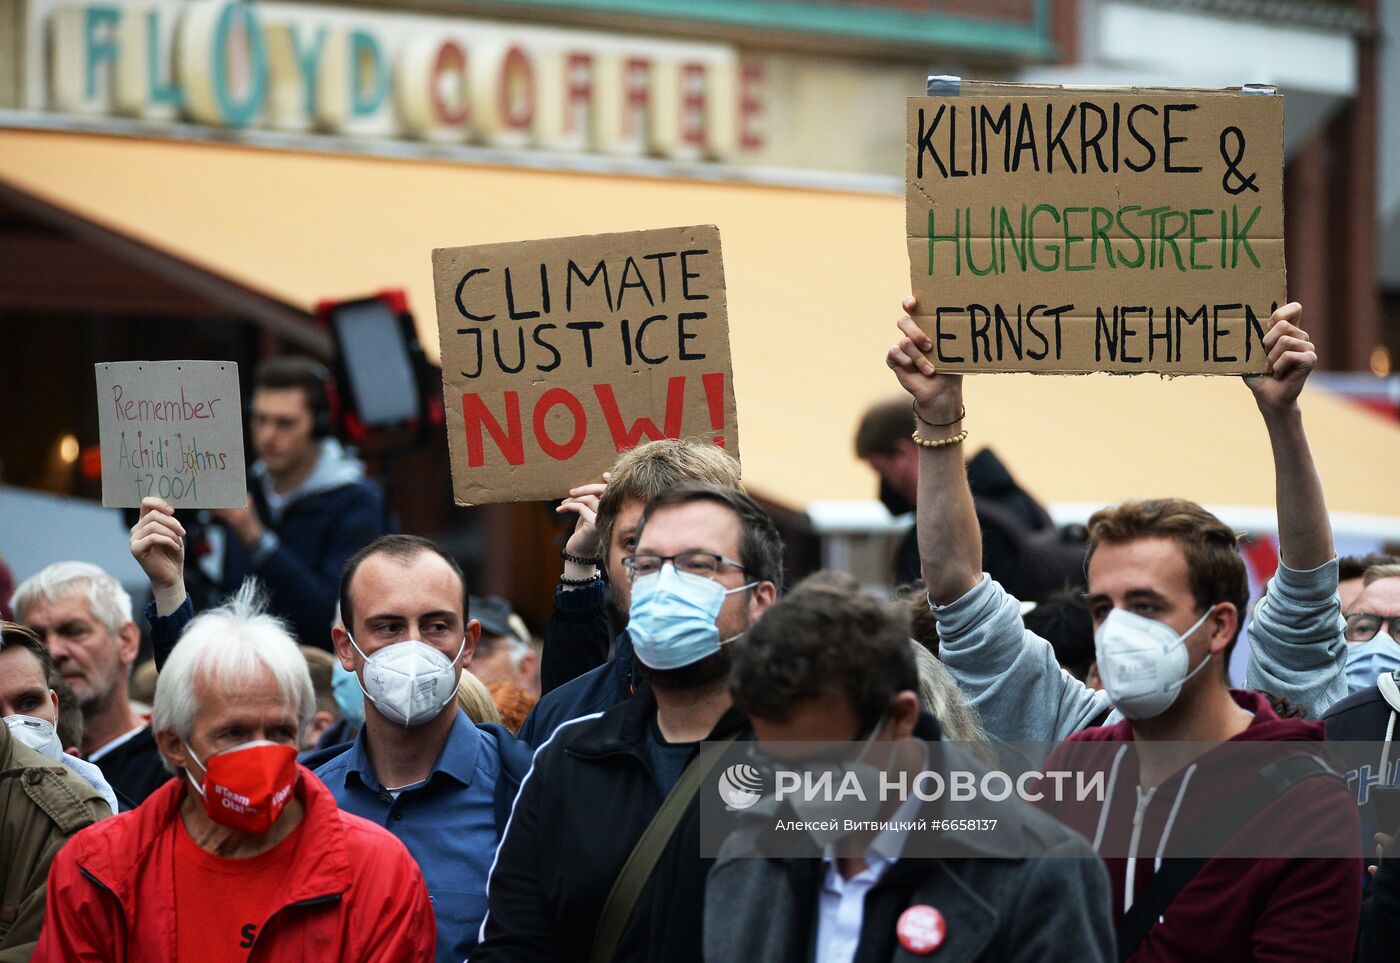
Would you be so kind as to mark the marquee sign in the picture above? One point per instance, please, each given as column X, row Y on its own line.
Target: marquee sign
column 321, row 69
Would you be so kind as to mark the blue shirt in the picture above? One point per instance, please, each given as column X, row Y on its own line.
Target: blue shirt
column 448, row 823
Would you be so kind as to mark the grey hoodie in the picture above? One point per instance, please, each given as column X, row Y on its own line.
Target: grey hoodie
column 1297, row 651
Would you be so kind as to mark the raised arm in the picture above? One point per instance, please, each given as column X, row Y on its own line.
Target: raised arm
column 158, row 545
column 1010, row 675
column 950, row 542
column 1297, row 649
column 1304, row 531
column 579, row 632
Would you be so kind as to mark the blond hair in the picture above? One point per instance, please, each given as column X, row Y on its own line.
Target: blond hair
column 650, row 469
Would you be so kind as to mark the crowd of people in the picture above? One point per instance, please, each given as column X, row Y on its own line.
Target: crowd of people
column 346, row 755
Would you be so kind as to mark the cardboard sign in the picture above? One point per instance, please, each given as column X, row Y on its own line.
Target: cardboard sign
column 558, row 354
column 173, row 429
column 1066, row 231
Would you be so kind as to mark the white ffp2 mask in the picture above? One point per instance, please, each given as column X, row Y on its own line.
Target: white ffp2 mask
column 1144, row 663
column 38, row 734
column 409, row 681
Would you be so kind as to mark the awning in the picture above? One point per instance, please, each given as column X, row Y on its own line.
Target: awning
column 815, row 278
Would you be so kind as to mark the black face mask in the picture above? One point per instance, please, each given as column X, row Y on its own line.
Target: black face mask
column 894, row 502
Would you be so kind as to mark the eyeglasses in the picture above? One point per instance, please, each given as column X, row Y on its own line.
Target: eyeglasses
column 703, row 564
column 1363, row 626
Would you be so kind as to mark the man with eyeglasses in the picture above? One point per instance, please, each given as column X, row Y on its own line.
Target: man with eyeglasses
column 708, row 563
column 1372, row 712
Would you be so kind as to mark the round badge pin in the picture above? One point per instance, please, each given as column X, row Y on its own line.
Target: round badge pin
column 921, row 929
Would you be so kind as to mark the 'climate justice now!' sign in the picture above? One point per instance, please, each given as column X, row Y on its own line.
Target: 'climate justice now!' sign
column 557, row 354
column 1066, row 231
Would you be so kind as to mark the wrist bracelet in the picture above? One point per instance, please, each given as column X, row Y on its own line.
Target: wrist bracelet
column 567, row 556
column 962, row 412
column 595, row 577
column 957, row 439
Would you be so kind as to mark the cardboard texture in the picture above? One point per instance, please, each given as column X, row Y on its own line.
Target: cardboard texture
column 1067, row 231
column 173, row 429
column 558, row 354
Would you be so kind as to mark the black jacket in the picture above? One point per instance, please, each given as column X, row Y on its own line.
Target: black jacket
column 597, row 690
column 586, row 802
column 134, row 769
column 577, row 636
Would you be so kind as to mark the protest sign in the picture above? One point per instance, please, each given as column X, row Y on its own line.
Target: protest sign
column 558, row 354
column 1067, row 231
column 173, row 429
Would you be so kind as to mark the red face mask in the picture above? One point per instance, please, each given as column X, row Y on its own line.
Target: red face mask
column 247, row 787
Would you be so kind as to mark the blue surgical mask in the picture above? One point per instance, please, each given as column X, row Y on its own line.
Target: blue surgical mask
column 348, row 695
column 1367, row 661
column 672, row 619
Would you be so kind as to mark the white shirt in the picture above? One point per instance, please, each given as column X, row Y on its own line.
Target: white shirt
column 842, row 907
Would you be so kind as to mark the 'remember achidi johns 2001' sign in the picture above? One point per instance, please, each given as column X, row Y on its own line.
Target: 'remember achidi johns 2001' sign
column 1065, row 231
column 558, row 354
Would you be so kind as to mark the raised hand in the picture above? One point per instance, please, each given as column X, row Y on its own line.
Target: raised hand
column 1291, row 359
column 937, row 397
column 158, row 545
column 583, row 502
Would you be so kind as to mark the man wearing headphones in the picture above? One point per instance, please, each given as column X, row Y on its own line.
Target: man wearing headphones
column 310, row 506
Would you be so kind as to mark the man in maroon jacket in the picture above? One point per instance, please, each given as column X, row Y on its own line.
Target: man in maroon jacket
column 1167, row 593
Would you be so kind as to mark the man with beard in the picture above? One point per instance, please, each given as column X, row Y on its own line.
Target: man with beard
column 590, row 605
column 83, row 616
column 708, row 562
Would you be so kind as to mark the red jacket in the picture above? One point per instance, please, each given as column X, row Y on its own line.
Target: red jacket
column 1235, row 907
column 354, row 894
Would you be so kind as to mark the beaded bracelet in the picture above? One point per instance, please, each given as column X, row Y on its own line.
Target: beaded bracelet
column 957, row 439
column 580, row 581
column 568, row 557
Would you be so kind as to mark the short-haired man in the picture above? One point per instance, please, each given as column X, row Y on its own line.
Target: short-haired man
column 1372, row 712
column 310, row 505
column 31, row 708
column 1005, row 510
column 246, row 854
column 41, row 806
column 707, row 562
column 1373, row 627
column 83, row 616
column 419, row 767
column 590, row 613
column 800, row 679
column 1167, row 593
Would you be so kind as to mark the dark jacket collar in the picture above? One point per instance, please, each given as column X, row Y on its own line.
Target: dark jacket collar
column 623, row 728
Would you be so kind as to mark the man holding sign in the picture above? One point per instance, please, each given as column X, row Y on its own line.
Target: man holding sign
column 1165, row 578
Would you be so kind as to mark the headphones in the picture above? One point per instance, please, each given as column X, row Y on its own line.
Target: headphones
column 324, row 400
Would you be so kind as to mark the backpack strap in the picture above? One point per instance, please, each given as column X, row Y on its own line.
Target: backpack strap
column 641, row 862
column 1268, row 784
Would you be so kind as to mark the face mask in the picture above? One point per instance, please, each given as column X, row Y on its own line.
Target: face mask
column 37, row 734
column 247, row 787
column 1367, row 661
column 410, row 682
column 1143, row 663
column 349, row 697
column 672, row 621
column 826, row 813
